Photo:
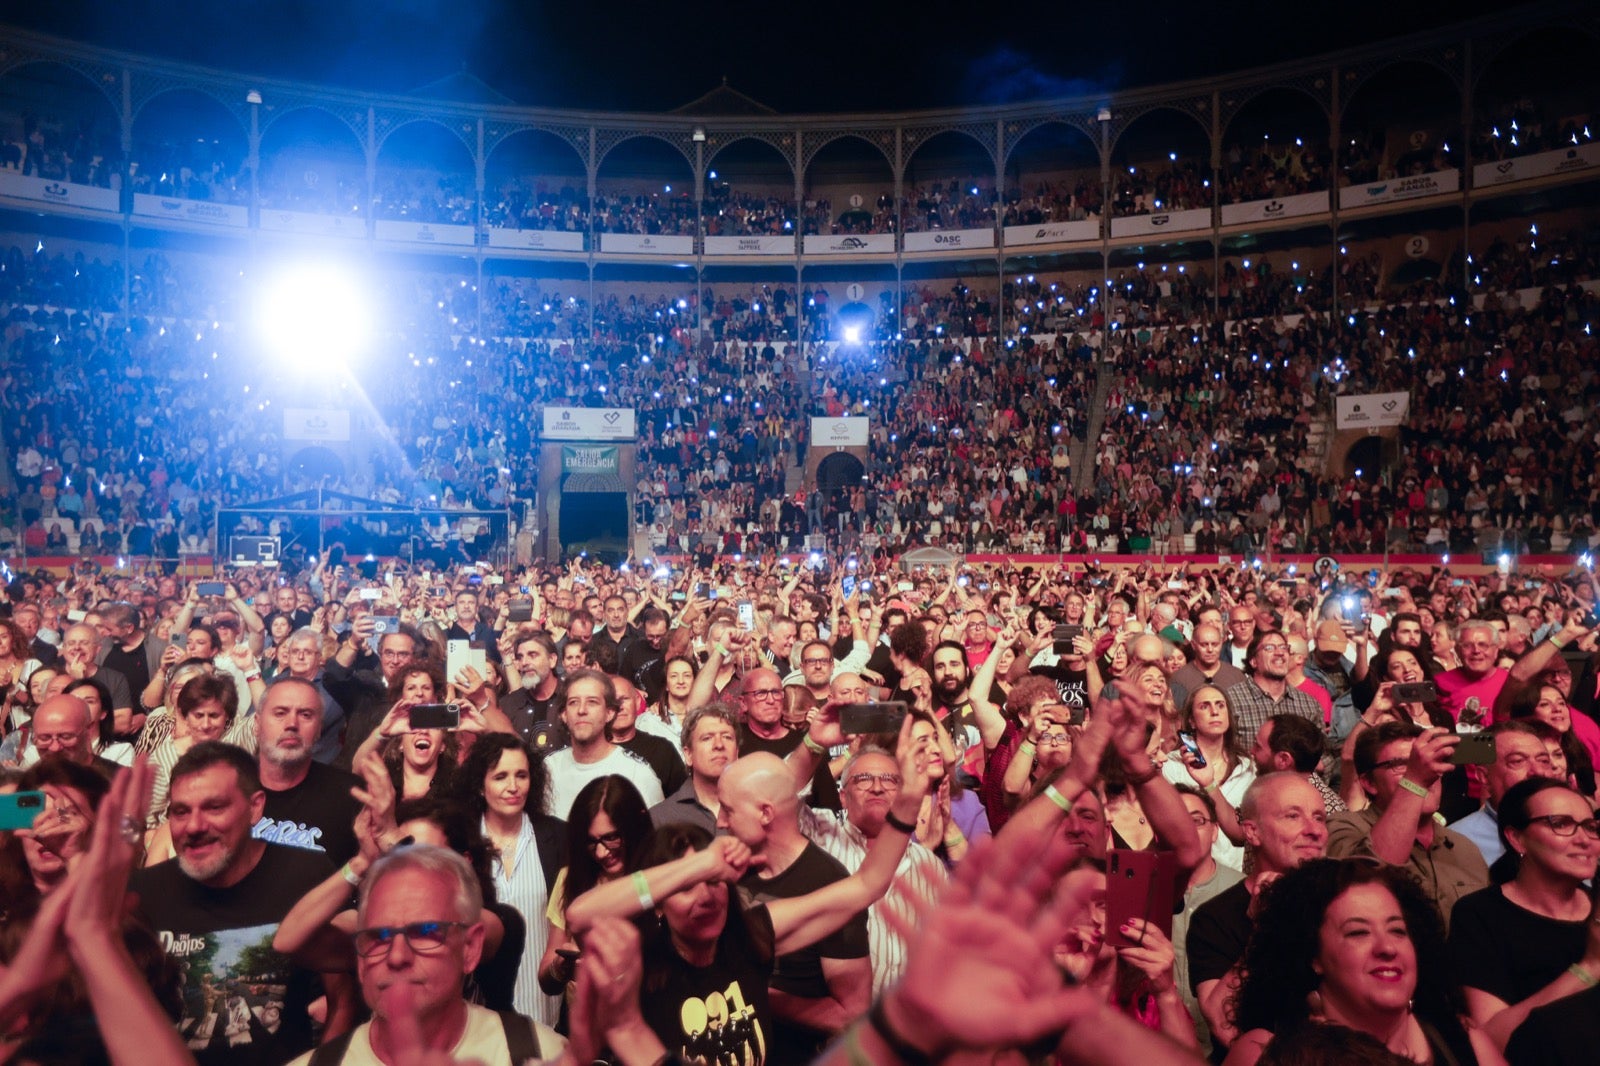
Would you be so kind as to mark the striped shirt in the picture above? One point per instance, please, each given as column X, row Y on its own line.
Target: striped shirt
column 522, row 886
column 920, row 872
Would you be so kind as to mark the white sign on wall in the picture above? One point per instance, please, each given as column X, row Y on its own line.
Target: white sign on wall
column 1371, row 410
column 1053, row 232
column 646, row 244
column 943, row 240
column 839, row 432
column 848, row 243
column 316, row 423
column 1396, row 189
column 590, row 423
column 1306, row 203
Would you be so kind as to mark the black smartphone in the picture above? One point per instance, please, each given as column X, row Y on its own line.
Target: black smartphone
column 210, row 588
column 872, row 717
column 1187, row 740
column 435, row 716
column 570, row 954
column 1475, row 749
column 1065, row 634
column 520, row 611
column 1415, row 692
column 19, row 809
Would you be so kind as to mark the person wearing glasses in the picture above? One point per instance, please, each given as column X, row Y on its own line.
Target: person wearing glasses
column 359, row 679
column 420, row 935
column 761, row 699
column 1531, row 938
column 215, row 907
column 607, row 827
column 1267, row 691
column 1400, row 767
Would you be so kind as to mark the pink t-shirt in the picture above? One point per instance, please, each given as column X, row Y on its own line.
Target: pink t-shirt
column 1456, row 687
column 1320, row 694
column 1587, row 732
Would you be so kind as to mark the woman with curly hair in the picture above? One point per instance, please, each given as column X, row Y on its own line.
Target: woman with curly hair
column 1354, row 943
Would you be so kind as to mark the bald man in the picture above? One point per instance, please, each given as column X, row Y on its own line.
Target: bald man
column 761, row 701
column 81, row 651
column 63, row 727
column 817, row 991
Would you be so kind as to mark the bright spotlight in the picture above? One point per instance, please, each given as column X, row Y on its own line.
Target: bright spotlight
column 314, row 316
column 852, row 334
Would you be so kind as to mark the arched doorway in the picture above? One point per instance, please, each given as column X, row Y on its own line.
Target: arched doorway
column 841, row 470
column 315, row 463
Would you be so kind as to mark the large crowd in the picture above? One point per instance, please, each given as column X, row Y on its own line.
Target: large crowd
column 770, row 810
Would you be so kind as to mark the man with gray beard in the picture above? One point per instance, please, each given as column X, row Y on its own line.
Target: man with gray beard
column 215, row 908
column 308, row 804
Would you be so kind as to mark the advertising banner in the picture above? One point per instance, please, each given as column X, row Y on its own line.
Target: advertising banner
column 316, row 423
column 1372, row 410
column 839, row 432
column 426, row 233
column 1397, row 189
column 769, row 244
column 577, row 459
column 1053, row 232
column 941, row 240
column 848, row 243
column 1569, row 160
column 589, row 423
column 536, row 240
column 1163, row 222
column 1306, row 203
column 646, row 244
column 27, row 187
column 202, row 211
column 311, row 225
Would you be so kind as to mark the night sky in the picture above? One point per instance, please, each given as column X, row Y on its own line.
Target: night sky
column 794, row 57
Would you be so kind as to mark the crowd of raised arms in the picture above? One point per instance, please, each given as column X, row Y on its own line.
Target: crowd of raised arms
column 781, row 809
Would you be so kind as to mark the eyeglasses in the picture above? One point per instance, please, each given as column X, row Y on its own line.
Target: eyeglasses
column 1389, row 766
column 1055, row 738
column 1200, row 821
column 1284, row 648
column 56, row 740
column 1564, row 825
column 395, row 656
column 609, row 841
column 866, row 780
column 816, row 662
column 425, row 938
column 765, row 693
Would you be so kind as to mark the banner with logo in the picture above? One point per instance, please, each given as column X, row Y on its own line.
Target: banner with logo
column 1053, row 232
column 839, row 432
column 646, row 244
column 848, row 243
column 777, row 244
column 202, row 211
column 942, row 240
column 311, row 225
column 1371, row 410
column 316, row 423
column 1568, row 160
column 28, row 187
column 589, row 423
column 578, row 459
column 426, row 233
column 536, row 240
column 1306, row 203
column 1396, row 189
column 1162, row 222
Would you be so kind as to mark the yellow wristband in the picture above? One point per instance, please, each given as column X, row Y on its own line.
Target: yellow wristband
column 1058, row 799
column 1589, row 980
column 1413, row 788
column 812, row 746
column 1026, row 748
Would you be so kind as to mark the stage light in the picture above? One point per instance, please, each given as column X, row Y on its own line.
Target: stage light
column 852, row 334
column 314, row 316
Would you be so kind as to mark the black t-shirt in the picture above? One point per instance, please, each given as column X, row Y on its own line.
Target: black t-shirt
column 132, row 665
column 799, row 973
column 1507, row 951
column 318, row 814
column 1563, row 1033
column 536, row 721
column 645, row 665
column 661, row 757
column 244, row 1004
column 716, row 1014
column 824, row 790
column 1218, row 934
column 1071, row 685
column 493, row 982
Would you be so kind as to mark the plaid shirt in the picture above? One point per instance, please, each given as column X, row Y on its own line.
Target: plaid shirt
column 1251, row 706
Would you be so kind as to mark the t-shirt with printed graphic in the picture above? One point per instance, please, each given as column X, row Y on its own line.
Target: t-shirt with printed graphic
column 244, row 1004
column 716, row 1014
column 318, row 814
